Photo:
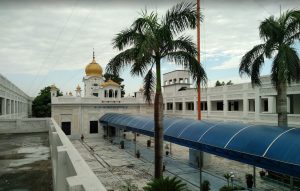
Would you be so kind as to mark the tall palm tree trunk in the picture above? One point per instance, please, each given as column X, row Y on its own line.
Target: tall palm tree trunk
column 282, row 105
column 158, row 124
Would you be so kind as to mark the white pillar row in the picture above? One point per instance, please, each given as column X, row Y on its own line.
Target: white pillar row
column 8, row 107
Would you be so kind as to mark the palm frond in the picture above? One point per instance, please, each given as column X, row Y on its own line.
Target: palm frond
column 124, row 38
column 183, row 43
column 270, row 47
column 255, row 70
column 149, row 83
column 181, row 17
column 140, row 66
column 189, row 61
column 166, row 184
column 286, row 66
column 292, row 27
column 146, row 23
column 254, row 55
column 121, row 60
column 290, row 16
column 270, row 29
column 164, row 35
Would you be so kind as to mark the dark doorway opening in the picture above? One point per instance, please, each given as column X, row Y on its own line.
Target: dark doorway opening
column 93, row 127
column 66, row 127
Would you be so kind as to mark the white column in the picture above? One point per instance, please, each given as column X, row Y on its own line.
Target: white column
column 257, row 106
column 288, row 104
column 183, row 106
column 272, row 104
column 245, row 105
column 174, row 105
column 17, row 107
column 225, row 106
column 3, row 106
column 208, row 105
column 9, row 106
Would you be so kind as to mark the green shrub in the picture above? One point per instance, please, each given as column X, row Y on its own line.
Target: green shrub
column 166, row 184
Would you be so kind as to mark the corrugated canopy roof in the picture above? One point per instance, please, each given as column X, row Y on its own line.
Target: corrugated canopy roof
column 271, row 147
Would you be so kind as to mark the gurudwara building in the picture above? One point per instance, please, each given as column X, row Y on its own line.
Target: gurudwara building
column 78, row 115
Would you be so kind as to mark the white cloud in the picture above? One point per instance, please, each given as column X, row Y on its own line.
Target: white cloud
column 233, row 62
column 37, row 37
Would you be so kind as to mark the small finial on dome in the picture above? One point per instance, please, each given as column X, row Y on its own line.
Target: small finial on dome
column 93, row 54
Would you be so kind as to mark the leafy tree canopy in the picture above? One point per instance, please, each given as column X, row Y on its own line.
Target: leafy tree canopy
column 41, row 105
column 218, row 83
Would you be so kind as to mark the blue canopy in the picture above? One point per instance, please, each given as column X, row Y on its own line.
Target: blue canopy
column 270, row 147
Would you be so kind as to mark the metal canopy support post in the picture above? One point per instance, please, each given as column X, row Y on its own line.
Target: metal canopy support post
column 107, row 134
column 200, row 168
column 291, row 183
column 254, row 177
column 134, row 144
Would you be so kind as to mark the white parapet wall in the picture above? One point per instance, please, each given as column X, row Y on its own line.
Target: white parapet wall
column 26, row 125
column 70, row 171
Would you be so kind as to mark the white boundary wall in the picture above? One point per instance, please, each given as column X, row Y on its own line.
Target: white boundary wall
column 70, row 171
column 27, row 125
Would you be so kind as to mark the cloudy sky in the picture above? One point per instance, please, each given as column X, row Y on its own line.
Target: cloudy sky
column 51, row 42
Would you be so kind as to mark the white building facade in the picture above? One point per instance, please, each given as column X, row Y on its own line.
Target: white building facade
column 78, row 115
column 239, row 102
column 14, row 103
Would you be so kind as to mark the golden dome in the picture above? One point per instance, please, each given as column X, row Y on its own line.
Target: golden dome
column 93, row 68
column 110, row 83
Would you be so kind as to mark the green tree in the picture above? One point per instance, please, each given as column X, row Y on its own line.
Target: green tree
column 166, row 184
column 116, row 79
column 41, row 105
column 145, row 44
column 229, row 83
column 278, row 35
column 218, row 83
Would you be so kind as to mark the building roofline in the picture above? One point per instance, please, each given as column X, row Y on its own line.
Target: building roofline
column 175, row 71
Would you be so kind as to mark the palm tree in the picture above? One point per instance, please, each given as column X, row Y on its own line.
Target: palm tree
column 166, row 184
column 144, row 44
column 279, row 35
column 227, row 177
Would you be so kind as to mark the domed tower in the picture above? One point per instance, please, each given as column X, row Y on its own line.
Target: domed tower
column 93, row 77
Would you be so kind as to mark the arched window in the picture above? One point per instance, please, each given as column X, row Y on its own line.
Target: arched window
column 111, row 93
column 105, row 93
column 116, row 93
